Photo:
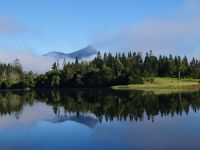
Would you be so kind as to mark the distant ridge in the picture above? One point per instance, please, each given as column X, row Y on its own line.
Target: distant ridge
column 80, row 54
column 56, row 55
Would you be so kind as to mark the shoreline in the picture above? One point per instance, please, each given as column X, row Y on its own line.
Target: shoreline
column 160, row 85
column 163, row 85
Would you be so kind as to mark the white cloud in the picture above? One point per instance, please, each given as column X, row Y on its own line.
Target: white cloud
column 177, row 34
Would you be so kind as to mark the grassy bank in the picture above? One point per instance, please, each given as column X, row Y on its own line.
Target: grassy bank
column 164, row 85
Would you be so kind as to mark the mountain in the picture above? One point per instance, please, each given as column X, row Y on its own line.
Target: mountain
column 56, row 55
column 80, row 54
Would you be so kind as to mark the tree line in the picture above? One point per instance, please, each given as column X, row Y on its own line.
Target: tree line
column 103, row 71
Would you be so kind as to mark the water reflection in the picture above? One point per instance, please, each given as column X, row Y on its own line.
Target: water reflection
column 85, row 120
column 98, row 119
column 104, row 104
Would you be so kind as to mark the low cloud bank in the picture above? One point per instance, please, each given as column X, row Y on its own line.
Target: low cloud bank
column 33, row 62
column 29, row 60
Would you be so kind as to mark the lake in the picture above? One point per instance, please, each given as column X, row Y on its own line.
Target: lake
column 98, row 119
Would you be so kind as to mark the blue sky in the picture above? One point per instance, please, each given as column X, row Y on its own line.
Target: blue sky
column 68, row 25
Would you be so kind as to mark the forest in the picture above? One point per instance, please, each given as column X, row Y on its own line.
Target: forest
column 103, row 71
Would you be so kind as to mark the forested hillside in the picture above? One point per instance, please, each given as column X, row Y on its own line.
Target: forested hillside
column 103, row 71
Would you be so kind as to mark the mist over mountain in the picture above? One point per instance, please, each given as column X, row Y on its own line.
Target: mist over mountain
column 80, row 54
column 43, row 63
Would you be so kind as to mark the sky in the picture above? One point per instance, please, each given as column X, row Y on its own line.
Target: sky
column 41, row 26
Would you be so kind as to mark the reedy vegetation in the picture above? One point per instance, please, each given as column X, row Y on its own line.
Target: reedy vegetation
column 103, row 71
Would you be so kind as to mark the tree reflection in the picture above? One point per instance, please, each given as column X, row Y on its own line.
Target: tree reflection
column 107, row 104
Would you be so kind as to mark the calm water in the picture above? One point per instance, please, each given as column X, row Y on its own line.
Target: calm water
column 98, row 119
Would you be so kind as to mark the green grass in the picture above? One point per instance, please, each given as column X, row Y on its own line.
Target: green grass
column 164, row 85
